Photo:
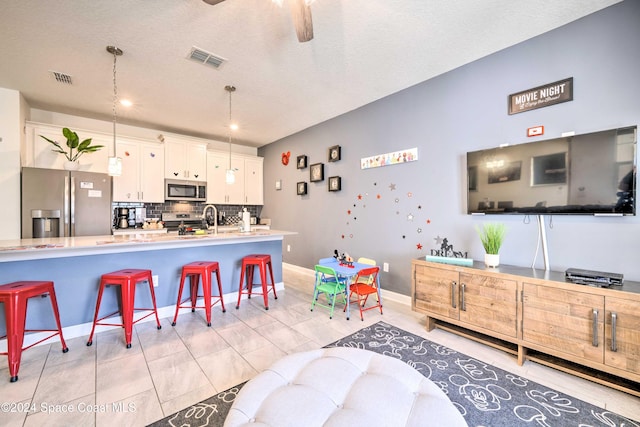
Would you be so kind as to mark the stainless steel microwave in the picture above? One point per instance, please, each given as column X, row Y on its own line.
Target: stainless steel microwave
column 185, row 190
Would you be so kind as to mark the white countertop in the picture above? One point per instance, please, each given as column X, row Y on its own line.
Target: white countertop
column 60, row 247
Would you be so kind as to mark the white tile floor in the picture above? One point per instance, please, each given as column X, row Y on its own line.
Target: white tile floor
column 169, row 369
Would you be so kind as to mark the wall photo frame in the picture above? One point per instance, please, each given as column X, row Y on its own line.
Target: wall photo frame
column 505, row 172
column 550, row 169
column 335, row 183
column 301, row 188
column 316, row 172
column 301, row 162
column 334, row 153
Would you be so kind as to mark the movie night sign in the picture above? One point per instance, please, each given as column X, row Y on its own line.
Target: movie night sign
column 541, row 96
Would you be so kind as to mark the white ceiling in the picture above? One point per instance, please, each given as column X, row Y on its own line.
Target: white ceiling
column 363, row 50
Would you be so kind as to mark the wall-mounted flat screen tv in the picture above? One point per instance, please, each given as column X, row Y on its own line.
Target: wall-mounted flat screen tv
column 588, row 174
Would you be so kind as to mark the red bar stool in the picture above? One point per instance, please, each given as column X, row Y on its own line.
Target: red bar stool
column 14, row 296
column 127, row 280
column 251, row 261
column 194, row 271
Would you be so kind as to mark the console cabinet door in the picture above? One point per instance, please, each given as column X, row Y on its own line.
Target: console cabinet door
column 490, row 303
column 436, row 291
column 565, row 321
column 622, row 345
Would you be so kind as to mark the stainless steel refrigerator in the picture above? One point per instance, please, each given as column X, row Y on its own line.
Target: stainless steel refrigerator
column 58, row 203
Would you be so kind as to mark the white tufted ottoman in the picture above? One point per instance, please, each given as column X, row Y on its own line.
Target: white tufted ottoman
column 341, row 387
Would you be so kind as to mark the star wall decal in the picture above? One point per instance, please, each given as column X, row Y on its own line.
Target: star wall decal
column 378, row 196
column 410, row 217
column 392, row 187
column 359, row 196
column 438, row 240
column 419, row 230
column 409, row 194
column 396, row 200
column 419, row 246
column 428, row 221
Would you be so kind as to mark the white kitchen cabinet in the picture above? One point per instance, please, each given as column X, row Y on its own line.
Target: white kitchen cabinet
column 38, row 152
column 142, row 178
column 185, row 160
column 253, row 181
column 247, row 188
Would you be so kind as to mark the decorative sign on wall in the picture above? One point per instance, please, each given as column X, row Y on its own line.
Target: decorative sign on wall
column 397, row 157
column 541, row 96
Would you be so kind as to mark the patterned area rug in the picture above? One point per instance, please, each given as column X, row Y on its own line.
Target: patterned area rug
column 485, row 395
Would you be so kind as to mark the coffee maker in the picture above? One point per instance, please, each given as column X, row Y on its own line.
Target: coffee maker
column 121, row 218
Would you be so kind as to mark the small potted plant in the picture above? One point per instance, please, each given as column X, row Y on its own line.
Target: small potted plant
column 492, row 236
column 75, row 148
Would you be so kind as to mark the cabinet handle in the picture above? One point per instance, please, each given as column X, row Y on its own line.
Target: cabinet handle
column 595, row 327
column 463, row 305
column 175, row 174
column 614, row 322
column 453, row 294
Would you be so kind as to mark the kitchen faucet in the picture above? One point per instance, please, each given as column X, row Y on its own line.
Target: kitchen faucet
column 215, row 218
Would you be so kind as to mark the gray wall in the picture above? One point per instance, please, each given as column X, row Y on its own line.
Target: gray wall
column 463, row 110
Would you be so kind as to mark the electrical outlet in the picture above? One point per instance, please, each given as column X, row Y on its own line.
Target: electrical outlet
column 288, row 248
column 385, row 267
column 156, row 281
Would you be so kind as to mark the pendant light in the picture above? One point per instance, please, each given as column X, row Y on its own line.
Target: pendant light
column 114, row 167
column 230, row 176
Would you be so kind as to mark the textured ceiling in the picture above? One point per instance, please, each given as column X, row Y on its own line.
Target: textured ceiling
column 363, row 50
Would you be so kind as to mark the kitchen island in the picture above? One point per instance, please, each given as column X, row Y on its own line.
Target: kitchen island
column 75, row 265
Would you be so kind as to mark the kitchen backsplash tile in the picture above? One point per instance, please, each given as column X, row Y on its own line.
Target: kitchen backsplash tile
column 155, row 210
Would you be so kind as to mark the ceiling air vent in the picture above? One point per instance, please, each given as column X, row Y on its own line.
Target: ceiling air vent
column 206, row 58
column 61, row 77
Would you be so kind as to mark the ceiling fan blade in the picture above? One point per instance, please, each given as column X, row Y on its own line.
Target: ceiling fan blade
column 301, row 14
column 213, row 2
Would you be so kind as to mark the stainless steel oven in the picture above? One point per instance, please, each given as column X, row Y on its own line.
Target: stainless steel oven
column 185, row 190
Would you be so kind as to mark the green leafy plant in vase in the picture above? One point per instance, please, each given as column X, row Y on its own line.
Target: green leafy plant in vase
column 492, row 235
column 75, row 148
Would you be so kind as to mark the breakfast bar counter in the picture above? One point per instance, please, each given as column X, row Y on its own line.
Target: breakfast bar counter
column 75, row 265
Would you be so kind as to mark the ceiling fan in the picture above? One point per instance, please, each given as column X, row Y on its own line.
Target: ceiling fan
column 300, row 12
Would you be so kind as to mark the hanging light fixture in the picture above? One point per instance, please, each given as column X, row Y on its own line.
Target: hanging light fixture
column 230, row 176
column 114, row 167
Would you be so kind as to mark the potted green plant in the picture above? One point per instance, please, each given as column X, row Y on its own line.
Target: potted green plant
column 75, row 148
column 492, row 236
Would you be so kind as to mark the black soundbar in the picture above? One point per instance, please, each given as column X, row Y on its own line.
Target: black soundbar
column 591, row 277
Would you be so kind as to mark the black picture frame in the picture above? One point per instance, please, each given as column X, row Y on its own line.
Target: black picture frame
column 334, row 153
column 316, row 172
column 550, row 169
column 334, row 183
column 301, row 188
column 301, row 162
column 472, row 178
column 508, row 172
